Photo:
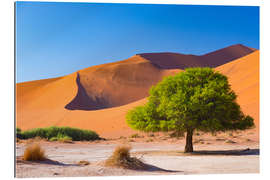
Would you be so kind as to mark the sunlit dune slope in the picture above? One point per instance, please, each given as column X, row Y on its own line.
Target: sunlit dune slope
column 115, row 84
column 243, row 75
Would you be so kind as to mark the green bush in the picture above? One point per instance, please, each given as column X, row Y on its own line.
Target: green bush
column 62, row 138
column 61, row 132
column 19, row 133
column 18, row 130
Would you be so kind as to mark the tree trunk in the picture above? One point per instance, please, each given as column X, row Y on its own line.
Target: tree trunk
column 189, row 145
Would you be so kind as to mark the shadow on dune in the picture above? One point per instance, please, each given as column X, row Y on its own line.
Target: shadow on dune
column 228, row 152
column 83, row 102
column 214, row 59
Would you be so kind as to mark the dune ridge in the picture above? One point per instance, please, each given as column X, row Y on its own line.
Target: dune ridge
column 181, row 61
column 98, row 97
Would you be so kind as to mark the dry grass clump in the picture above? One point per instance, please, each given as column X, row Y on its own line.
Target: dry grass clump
column 121, row 158
column 136, row 136
column 149, row 140
column 34, row 153
column 83, row 162
column 230, row 141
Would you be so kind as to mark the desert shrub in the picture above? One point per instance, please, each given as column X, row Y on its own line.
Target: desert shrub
column 121, row 158
column 134, row 135
column 83, row 162
column 230, row 141
column 54, row 132
column 18, row 130
column 53, row 139
column 61, row 138
column 34, row 153
column 19, row 133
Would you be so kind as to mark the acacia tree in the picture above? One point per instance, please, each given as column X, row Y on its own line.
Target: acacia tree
column 197, row 98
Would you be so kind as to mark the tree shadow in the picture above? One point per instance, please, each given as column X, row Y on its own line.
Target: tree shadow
column 237, row 152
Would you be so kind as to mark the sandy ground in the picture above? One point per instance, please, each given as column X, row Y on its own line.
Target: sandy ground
column 223, row 153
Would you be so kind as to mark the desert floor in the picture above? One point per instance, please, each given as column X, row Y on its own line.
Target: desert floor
column 236, row 152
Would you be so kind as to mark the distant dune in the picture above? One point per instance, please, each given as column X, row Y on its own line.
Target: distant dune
column 98, row 97
column 182, row 61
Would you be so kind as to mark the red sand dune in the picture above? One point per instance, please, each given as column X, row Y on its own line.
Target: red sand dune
column 115, row 84
column 243, row 75
column 98, row 97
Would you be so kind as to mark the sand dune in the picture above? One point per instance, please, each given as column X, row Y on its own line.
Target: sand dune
column 115, row 84
column 98, row 97
column 244, row 78
column 66, row 101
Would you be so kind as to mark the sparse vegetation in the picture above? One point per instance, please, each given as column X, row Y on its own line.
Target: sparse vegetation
column 83, row 162
column 230, row 142
column 18, row 130
column 34, row 153
column 149, row 140
column 19, row 133
column 60, row 133
column 121, row 158
column 62, row 138
column 136, row 136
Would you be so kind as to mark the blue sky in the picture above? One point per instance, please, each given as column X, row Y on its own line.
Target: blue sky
column 56, row 39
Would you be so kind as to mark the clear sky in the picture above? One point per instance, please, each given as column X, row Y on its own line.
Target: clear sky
column 56, row 39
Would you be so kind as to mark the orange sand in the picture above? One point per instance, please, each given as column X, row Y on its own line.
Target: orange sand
column 244, row 78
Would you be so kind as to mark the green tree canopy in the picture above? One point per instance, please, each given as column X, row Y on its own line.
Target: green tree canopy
column 197, row 98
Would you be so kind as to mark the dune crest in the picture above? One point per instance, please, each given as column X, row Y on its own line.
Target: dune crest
column 181, row 61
